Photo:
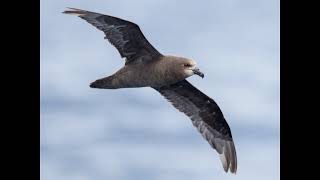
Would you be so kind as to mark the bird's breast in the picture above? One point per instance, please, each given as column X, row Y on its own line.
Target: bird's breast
column 154, row 74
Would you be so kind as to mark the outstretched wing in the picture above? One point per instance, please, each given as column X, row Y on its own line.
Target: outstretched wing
column 206, row 116
column 124, row 35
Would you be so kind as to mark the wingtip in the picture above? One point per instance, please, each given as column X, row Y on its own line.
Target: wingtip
column 228, row 158
column 225, row 165
column 74, row 11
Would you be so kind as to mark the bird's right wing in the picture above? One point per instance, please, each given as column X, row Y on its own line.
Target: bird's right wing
column 124, row 35
column 206, row 116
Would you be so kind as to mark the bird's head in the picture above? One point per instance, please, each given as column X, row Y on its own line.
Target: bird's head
column 189, row 68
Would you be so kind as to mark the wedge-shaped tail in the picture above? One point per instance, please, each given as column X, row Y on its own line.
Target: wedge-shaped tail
column 104, row 83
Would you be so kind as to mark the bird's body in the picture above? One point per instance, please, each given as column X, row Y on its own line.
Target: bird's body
column 146, row 67
column 157, row 73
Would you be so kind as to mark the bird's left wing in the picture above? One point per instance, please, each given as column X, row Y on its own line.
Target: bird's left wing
column 206, row 116
column 124, row 35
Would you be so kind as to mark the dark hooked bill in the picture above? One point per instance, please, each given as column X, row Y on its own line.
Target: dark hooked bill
column 198, row 72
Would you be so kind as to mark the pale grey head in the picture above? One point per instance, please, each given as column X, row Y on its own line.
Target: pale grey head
column 187, row 67
column 191, row 68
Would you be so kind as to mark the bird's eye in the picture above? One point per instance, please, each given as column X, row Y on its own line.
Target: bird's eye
column 187, row 65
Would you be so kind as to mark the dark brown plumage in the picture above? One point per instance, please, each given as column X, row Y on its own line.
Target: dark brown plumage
column 206, row 116
column 146, row 67
column 124, row 35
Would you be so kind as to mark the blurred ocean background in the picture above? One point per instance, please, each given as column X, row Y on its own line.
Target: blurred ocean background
column 135, row 133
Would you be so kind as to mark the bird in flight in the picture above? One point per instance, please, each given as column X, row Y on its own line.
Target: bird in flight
column 147, row 67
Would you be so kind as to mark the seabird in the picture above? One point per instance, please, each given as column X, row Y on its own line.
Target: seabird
column 146, row 67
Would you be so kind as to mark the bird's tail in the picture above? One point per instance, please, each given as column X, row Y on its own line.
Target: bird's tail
column 104, row 83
